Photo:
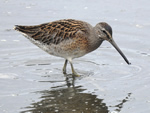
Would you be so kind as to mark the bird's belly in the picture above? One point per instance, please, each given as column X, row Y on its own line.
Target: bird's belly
column 67, row 50
column 63, row 51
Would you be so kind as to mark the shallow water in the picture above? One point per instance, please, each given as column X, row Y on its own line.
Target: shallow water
column 31, row 81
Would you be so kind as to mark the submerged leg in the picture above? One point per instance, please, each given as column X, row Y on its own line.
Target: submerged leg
column 65, row 65
column 73, row 71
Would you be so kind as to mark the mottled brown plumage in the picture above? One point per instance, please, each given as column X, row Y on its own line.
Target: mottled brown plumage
column 51, row 32
column 69, row 38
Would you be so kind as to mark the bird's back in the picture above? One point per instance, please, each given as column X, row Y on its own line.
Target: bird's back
column 55, row 32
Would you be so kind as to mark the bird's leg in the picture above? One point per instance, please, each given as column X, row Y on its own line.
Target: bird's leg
column 73, row 71
column 65, row 65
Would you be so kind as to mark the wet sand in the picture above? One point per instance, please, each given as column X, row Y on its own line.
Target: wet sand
column 31, row 81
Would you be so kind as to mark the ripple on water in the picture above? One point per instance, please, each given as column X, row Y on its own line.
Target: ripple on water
column 84, row 68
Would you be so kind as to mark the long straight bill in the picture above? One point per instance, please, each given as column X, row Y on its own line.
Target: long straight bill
column 117, row 48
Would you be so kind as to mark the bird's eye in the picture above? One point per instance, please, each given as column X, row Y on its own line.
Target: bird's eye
column 104, row 31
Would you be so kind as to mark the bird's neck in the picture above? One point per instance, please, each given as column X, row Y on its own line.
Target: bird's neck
column 95, row 41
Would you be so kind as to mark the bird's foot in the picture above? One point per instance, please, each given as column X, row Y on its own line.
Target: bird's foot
column 75, row 74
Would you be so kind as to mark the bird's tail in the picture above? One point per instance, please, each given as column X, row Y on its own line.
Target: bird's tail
column 28, row 30
column 19, row 28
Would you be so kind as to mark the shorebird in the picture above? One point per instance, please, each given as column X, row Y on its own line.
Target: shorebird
column 69, row 38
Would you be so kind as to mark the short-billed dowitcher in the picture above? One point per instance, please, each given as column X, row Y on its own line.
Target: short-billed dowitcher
column 69, row 38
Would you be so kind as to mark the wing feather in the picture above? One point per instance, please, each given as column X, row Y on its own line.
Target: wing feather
column 54, row 32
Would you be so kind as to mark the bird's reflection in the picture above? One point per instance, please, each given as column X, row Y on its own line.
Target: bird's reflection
column 69, row 99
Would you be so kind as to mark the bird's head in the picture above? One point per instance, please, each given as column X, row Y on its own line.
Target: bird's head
column 104, row 32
